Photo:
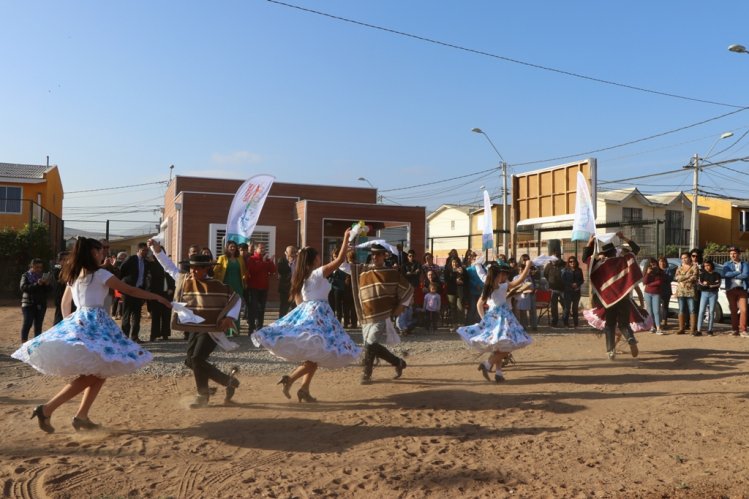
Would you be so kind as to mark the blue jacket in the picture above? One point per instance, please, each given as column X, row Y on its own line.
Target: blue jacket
column 730, row 274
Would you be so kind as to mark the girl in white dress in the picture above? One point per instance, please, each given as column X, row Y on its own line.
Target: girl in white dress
column 88, row 343
column 310, row 333
column 499, row 331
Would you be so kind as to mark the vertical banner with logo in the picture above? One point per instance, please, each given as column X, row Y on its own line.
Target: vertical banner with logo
column 246, row 207
column 487, row 235
column 584, row 224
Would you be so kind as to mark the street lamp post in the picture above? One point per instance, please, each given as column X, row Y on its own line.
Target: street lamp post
column 503, row 166
column 739, row 49
column 364, row 179
column 695, row 163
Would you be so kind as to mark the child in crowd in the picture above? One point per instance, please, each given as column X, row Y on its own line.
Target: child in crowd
column 432, row 307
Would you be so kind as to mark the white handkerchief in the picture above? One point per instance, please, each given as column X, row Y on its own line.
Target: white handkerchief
column 185, row 315
column 541, row 261
column 222, row 341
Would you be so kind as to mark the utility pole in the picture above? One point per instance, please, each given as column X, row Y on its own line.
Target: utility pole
column 504, row 209
column 693, row 239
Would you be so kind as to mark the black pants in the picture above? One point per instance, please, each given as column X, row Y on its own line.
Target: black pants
column 284, row 304
column 258, row 297
column 32, row 315
column 375, row 350
column 199, row 348
column 557, row 298
column 571, row 305
column 618, row 315
column 349, row 309
column 246, row 296
column 131, row 314
column 160, row 320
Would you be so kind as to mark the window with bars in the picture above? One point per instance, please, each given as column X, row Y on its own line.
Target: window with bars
column 10, row 199
column 265, row 234
column 631, row 214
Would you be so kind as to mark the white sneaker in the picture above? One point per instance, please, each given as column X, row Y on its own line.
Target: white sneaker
column 612, row 354
column 660, row 332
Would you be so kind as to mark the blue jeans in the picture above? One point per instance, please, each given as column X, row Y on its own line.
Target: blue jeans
column 686, row 303
column 653, row 306
column 708, row 299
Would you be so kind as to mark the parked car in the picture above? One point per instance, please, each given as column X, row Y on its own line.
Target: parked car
column 721, row 306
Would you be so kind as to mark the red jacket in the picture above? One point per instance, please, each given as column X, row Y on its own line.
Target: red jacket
column 258, row 271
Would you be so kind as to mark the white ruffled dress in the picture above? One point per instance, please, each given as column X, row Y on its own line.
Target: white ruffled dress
column 86, row 342
column 310, row 332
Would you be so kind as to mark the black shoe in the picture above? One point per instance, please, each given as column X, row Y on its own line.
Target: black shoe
column 366, row 380
column 200, row 401
column 697, row 333
column 84, row 424
column 44, row 421
column 399, row 368
column 484, row 371
column 232, row 386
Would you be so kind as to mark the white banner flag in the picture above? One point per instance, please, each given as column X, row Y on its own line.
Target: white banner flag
column 487, row 235
column 246, row 206
column 584, row 224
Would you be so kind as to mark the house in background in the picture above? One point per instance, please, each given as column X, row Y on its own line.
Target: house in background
column 448, row 227
column 724, row 221
column 32, row 193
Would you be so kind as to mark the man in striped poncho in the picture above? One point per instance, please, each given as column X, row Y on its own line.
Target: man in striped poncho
column 380, row 293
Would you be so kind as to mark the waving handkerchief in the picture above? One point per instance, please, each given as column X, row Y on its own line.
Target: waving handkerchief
column 541, row 261
column 185, row 315
column 381, row 242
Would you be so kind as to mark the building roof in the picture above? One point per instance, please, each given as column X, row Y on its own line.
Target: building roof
column 23, row 171
column 667, row 198
column 463, row 208
column 621, row 195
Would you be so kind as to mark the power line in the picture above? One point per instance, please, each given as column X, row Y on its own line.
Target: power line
column 501, row 57
column 496, row 168
column 118, row 187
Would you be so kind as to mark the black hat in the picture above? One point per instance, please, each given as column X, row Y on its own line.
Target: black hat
column 608, row 248
column 735, row 248
column 199, row 261
column 503, row 267
column 378, row 248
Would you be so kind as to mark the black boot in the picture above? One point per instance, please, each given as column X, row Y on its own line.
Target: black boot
column 369, row 357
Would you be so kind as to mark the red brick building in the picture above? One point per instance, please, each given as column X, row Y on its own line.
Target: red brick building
column 195, row 212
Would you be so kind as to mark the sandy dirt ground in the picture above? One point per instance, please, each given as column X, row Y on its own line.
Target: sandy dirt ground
column 568, row 422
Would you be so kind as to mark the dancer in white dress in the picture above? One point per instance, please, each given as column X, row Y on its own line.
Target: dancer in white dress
column 310, row 333
column 88, row 343
column 499, row 331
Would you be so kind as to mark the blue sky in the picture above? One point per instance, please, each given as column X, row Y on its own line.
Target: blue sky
column 114, row 93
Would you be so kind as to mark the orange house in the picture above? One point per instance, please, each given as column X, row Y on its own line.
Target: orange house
column 31, row 193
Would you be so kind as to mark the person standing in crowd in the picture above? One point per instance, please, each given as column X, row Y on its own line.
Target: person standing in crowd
column 349, row 309
column 310, row 334
column 260, row 269
column 572, row 277
column 454, row 288
column 709, row 283
column 522, row 295
column 535, row 275
column 244, row 255
column 614, row 277
column 430, row 265
column 133, row 272
column 286, row 265
column 218, row 305
column 230, row 270
column 87, row 344
column 653, row 283
column 35, row 287
column 337, row 289
column 473, row 288
column 163, row 285
column 686, row 280
column 666, row 291
column 553, row 275
column 59, row 285
column 379, row 294
column 108, row 263
column 736, row 274
column 117, row 298
column 499, row 331
column 432, row 307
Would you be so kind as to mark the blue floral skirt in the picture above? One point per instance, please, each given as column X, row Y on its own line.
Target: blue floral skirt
column 309, row 332
column 499, row 330
column 87, row 342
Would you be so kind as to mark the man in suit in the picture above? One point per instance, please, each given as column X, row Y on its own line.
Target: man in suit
column 134, row 272
column 285, row 270
column 162, row 284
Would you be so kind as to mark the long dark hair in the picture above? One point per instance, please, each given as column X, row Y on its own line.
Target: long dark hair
column 81, row 258
column 491, row 276
column 304, row 263
column 228, row 252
